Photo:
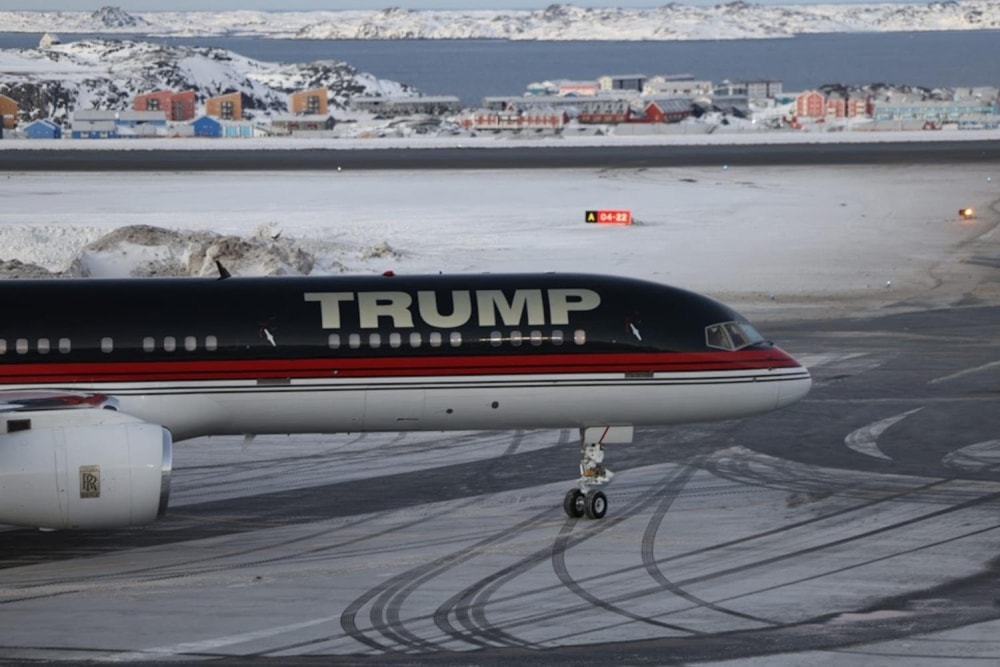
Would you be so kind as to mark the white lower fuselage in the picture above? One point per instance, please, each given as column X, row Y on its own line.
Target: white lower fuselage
column 195, row 408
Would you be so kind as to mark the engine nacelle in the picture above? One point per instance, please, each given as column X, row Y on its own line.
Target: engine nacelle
column 82, row 468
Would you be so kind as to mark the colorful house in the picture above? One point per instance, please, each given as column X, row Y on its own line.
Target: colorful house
column 206, row 126
column 225, row 107
column 810, row 104
column 177, row 106
column 8, row 112
column 309, row 102
column 43, row 129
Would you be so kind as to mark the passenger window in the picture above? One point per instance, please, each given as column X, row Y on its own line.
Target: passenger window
column 455, row 339
column 415, row 340
column 375, row 341
column 190, row 343
column 536, row 338
column 395, row 340
column 64, row 345
column 169, row 343
column 354, row 341
column 516, row 338
column 211, row 343
column 333, row 340
column 580, row 337
column 43, row 346
column 557, row 337
column 107, row 345
column 435, row 339
column 148, row 344
column 496, row 338
column 3, row 346
column 21, row 345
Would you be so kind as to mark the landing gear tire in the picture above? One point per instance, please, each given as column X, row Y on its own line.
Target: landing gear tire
column 575, row 503
column 595, row 505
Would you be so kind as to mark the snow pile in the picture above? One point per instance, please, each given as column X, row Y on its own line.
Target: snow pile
column 672, row 21
column 147, row 251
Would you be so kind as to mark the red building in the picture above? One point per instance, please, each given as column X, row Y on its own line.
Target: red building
column 664, row 111
column 177, row 106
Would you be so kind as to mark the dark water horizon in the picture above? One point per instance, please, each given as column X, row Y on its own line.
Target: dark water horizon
column 476, row 68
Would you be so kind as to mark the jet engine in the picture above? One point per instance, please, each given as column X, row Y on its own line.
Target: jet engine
column 82, row 468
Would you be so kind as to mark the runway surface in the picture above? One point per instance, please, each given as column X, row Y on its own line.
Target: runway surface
column 857, row 527
column 512, row 156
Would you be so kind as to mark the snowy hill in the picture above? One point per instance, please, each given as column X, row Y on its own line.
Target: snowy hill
column 734, row 20
column 107, row 74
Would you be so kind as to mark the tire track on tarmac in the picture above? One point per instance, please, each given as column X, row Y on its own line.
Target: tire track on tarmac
column 393, row 592
column 469, row 606
column 532, row 620
column 656, row 574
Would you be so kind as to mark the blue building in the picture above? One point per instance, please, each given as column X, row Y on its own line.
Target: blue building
column 206, row 126
column 43, row 129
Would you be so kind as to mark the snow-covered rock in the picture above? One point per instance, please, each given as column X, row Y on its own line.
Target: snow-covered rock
column 673, row 21
column 115, row 17
column 108, row 74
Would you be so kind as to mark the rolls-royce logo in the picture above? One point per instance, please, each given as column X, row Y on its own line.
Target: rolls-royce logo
column 90, row 481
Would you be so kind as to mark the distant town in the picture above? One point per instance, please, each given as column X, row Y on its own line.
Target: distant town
column 631, row 104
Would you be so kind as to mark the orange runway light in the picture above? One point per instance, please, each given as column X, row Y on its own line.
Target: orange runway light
column 966, row 213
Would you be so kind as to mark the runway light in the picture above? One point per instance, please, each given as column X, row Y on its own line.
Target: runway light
column 966, row 213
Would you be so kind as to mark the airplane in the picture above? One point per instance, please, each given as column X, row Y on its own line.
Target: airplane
column 99, row 377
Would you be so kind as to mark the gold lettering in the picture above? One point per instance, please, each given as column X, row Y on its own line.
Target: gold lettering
column 394, row 305
column 329, row 306
column 427, row 302
column 491, row 302
column 564, row 301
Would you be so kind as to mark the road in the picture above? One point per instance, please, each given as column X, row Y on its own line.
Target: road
column 510, row 157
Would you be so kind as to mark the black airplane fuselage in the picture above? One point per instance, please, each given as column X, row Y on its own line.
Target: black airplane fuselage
column 432, row 352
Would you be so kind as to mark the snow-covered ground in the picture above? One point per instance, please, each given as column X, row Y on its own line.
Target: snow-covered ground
column 56, row 82
column 773, row 241
column 731, row 20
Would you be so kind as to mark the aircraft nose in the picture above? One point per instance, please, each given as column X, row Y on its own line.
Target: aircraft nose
column 795, row 388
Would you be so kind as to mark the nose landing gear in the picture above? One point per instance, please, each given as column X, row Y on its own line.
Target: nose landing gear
column 586, row 500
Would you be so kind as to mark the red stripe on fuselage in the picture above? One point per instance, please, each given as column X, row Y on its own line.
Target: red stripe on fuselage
column 388, row 367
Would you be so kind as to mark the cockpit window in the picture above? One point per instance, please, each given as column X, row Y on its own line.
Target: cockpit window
column 732, row 336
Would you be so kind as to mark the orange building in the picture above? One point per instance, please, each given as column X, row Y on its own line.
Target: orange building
column 850, row 107
column 810, row 104
column 309, row 102
column 8, row 112
column 225, row 107
column 177, row 106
